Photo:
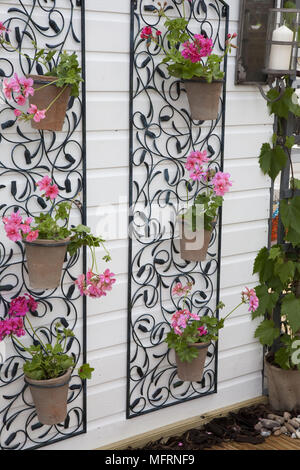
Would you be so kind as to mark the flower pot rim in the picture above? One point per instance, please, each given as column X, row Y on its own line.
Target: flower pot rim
column 50, row 383
column 200, row 345
column 277, row 368
column 49, row 243
column 202, row 80
column 42, row 78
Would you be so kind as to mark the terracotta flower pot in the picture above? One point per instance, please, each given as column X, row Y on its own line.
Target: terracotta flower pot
column 193, row 371
column 283, row 386
column 50, row 398
column 45, row 259
column 204, row 98
column 55, row 116
column 194, row 245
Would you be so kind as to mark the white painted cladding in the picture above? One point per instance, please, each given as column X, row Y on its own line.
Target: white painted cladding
column 244, row 233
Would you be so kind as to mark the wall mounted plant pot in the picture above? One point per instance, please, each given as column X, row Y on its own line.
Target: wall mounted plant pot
column 193, row 371
column 50, row 398
column 194, row 245
column 283, row 386
column 45, row 259
column 55, row 116
column 204, row 98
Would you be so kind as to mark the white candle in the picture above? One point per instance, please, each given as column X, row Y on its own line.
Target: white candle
column 280, row 56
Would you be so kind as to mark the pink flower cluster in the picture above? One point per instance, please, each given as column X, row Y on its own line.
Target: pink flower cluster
column 180, row 320
column 51, row 189
column 20, row 306
column 197, row 172
column 202, row 331
column 14, row 325
column 148, row 34
column 198, row 48
column 15, row 228
column 24, row 88
column 95, row 285
column 3, row 29
column 221, row 183
column 179, row 289
column 194, row 164
column 249, row 296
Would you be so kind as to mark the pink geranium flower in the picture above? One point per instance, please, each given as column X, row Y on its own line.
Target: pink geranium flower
column 13, row 232
column 146, row 32
column 194, row 164
column 52, row 191
column 179, row 289
column 21, row 100
column 26, row 86
column 221, row 183
column 32, row 236
column 44, row 183
column 202, row 331
column 12, row 326
column 198, row 48
column 37, row 114
column 9, row 87
column 95, row 285
column 249, row 296
column 17, row 112
column 180, row 320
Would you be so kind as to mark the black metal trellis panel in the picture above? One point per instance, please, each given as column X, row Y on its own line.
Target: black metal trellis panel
column 162, row 135
column 25, row 156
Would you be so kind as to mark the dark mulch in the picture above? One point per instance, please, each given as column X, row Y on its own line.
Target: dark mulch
column 238, row 427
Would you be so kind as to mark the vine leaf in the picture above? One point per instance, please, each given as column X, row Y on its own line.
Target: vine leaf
column 272, row 160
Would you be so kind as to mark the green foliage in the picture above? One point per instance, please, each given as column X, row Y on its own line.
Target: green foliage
column 50, row 225
column 279, row 273
column 81, row 236
column 68, row 72
column 49, row 362
column 183, row 68
column 183, row 344
column 209, row 206
column 290, row 216
column 266, row 332
column 272, row 160
column 288, row 103
column 85, row 371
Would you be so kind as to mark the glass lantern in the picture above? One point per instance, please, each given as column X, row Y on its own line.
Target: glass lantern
column 283, row 42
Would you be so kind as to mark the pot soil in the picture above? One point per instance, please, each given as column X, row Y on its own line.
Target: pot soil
column 193, row 245
column 204, row 98
column 45, row 259
column 50, row 398
column 193, row 371
column 283, row 386
column 55, row 116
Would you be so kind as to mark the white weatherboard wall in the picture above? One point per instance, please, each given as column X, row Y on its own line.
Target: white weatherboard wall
column 245, row 231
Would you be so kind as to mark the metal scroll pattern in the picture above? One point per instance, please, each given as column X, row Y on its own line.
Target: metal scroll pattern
column 27, row 155
column 162, row 136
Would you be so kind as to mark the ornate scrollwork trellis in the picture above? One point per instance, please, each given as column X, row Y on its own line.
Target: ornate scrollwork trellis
column 27, row 155
column 162, row 134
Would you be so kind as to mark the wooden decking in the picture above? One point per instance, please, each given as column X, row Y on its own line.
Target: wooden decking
column 272, row 443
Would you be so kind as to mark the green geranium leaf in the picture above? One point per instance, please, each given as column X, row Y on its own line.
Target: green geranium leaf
column 85, row 371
